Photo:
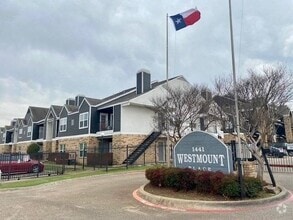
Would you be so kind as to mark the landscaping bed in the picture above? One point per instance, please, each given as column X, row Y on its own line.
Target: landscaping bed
column 193, row 195
column 202, row 185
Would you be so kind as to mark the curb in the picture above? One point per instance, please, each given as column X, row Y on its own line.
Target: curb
column 198, row 205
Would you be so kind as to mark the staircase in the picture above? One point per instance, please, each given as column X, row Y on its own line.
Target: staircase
column 142, row 148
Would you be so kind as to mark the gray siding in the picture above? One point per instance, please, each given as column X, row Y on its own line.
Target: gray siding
column 73, row 121
column 117, row 118
column 94, row 120
column 1, row 136
column 143, row 82
column 25, row 128
column 21, row 137
column 83, row 108
column 71, row 129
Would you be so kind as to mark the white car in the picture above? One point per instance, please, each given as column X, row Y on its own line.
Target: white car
column 290, row 149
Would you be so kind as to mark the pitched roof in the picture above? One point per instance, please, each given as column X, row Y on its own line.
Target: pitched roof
column 9, row 127
column 71, row 108
column 128, row 94
column 93, row 101
column 57, row 109
column 225, row 100
column 38, row 113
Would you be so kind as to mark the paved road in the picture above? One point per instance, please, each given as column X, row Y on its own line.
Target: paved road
column 110, row 197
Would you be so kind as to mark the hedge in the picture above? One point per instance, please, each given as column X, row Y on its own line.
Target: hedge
column 217, row 183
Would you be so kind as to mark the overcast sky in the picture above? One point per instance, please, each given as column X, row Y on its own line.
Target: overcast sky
column 54, row 50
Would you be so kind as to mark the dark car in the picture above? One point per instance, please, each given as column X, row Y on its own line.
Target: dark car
column 21, row 165
column 278, row 152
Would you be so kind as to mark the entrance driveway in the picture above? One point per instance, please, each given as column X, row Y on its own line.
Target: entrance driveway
column 109, row 196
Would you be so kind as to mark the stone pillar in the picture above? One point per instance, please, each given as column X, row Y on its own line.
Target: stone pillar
column 249, row 169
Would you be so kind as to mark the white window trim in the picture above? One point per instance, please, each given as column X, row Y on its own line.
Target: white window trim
column 106, row 120
column 61, row 125
column 29, row 131
column 20, row 131
column 83, row 148
column 62, row 148
column 82, row 120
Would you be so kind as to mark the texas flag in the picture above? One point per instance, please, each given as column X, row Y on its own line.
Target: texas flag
column 186, row 18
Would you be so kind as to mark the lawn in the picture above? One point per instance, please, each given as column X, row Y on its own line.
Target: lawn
column 69, row 174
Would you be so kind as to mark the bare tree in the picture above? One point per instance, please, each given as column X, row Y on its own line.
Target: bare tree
column 262, row 95
column 179, row 111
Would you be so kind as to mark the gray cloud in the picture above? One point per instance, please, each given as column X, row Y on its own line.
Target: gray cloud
column 52, row 50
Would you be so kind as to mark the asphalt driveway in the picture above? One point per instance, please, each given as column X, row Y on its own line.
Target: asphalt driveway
column 110, row 196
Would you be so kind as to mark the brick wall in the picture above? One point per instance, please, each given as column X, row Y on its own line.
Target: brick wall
column 120, row 143
column 72, row 145
column 21, row 147
column 5, row 149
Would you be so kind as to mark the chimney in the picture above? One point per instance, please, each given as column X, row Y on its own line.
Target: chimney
column 70, row 101
column 143, row 81
column 78, row 100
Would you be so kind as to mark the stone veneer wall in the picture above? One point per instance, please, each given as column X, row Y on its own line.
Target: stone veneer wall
column 72, row 145
column 47, row 147
column 21, row 147
column 119, row 149
column 249, row 169
column 5, row 149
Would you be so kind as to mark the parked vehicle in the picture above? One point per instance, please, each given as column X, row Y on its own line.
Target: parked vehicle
column 290, row 149
column 17, row 165
column 278, row 152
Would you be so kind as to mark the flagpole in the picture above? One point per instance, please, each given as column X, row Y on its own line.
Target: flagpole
column 234, row 81
column 238, row 150
column 167, row 83
column 167, row 53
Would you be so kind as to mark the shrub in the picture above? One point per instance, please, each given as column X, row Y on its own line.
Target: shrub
column 187, row 179
column 33, row 148
column 230, row 187
column 172, row 178
column 203, row 182
column 216, row 179
column 253, row 187
column 155, row 176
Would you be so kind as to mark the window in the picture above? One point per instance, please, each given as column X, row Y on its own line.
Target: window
column 20, row 131
column 82, row 150
column 62, row 148
column 29, row 131
column 161, row 152
column 72, row 122
column 83, row 120
column 103, row 121
column 63, row 124
column 4, row 137
column 111, row 122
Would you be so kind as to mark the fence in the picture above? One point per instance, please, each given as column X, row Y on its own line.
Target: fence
column 280, row 164
column 277, row 163
column 18, row 166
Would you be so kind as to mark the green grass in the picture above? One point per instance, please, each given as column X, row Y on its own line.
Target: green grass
column 14, row 184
